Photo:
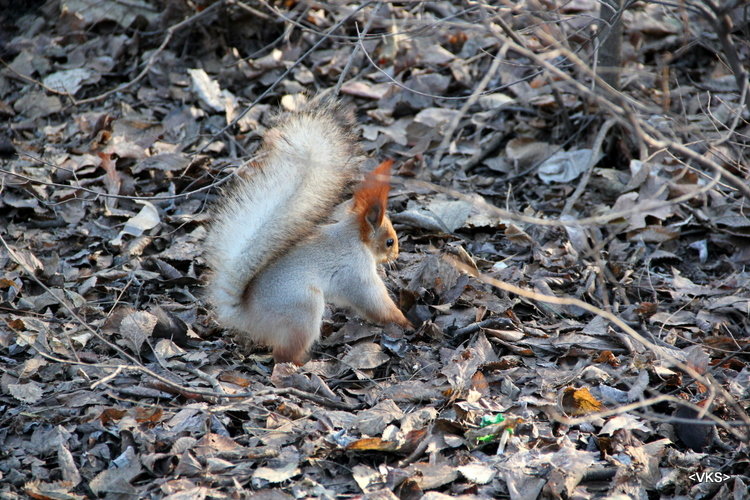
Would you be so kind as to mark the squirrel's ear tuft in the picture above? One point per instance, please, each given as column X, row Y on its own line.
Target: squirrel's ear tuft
column 371, row 199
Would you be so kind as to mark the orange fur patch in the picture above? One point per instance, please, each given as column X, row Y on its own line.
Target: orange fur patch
column 372, row 192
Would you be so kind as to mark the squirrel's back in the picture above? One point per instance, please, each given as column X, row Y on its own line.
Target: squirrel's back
column 306, row 161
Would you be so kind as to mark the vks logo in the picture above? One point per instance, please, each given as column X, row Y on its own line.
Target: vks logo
column 709, row 477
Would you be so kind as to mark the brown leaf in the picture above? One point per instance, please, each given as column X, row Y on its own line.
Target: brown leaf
column 137, row 327
column 111, row 415
column 372, row 444
column 577, row 402
column 30, row 392
column 374, row 420
column 464, row 364
column 148, row 415
column 406, row 445
column 429, row 476
column 59, row 490
column 234, row 377
column 118, row 479
column 607, row 357
column 365, row 356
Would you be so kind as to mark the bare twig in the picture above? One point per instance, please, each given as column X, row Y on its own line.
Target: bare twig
column 408, row 32
column 448, row 135
column 737, row 115
column 355, row 50
column 256, row 12
column 595, row 149
column 711, row 418
column 644, row 206
column 722, row 25
column 284, row 75
column 152, row 58
column 395, row 82
column 609, row 60
column 321, row 400
column 624, row 114
column 658, row 140
column 99, row 194
column 664, row 353
column 420, row 448
column 106, row 379
column 137, row 366
column 28, row 79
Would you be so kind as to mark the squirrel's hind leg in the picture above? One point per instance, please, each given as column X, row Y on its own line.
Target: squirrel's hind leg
column 300, row 325
column 295, row 351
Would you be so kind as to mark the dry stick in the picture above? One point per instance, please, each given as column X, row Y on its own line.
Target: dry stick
column 465, row 107
column 210, row 379
column 256, row 12
column 736, row 120
column 608, row 53
column 481, row 203
column 555, row 91
column 279, row 39
column 106, row 378
column 619, row 111
column 504, row 26
column 418, row 92
column 64, row 303
column 707, row 380
column 321, row 400
column 446, row 98
column 558, row 147
column 722, row 25
column 595, row 149
column 712, row 419
column 279, row 14
column 37, row 82
column 283, row 75
column 410, row 32
column 484, row 151
column 615, row 109
column 355, row 50
column 475, row 200
column 137, row 366
column 152, row 58
column 420, row 449
column 656, row 138
column 107, row 195
column 119, row 368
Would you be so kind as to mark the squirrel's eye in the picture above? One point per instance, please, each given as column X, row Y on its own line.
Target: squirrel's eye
column 389, row 242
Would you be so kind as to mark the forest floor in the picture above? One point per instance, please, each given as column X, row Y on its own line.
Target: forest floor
column 574, row 257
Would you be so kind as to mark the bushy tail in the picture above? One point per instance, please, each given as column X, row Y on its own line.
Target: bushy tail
column 305, row 163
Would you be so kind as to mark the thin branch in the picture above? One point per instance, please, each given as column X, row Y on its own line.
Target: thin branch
column 99, row 194
column 736, row 121
column 448, row 135
column 152, row 58
column 395, row 82
column 407, row 32
column 664, row 353
column 722, row 25
column 595, row 149
column 355, row 50
column 645, row 206
column 623, row 114
column 283, row 76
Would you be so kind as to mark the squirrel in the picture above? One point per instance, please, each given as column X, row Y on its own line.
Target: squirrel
column 282, row 244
